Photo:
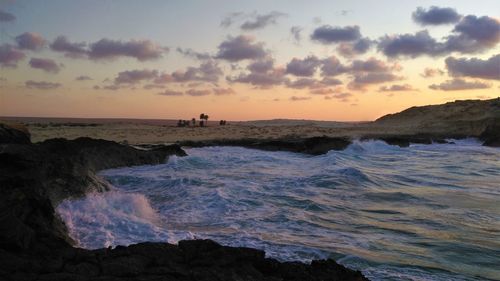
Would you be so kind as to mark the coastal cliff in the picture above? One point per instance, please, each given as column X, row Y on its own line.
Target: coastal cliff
column 458, row 119
column 34, row 243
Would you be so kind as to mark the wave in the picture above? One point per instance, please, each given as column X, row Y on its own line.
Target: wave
column 111, row 218
column 416, row 213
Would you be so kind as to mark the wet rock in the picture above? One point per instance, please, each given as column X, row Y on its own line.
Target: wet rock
column 313, row 145
column 491, row 135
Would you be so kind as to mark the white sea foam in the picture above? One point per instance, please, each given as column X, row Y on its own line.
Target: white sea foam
column 415, row 213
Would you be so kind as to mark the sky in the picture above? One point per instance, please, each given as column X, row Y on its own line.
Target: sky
column 244, row 60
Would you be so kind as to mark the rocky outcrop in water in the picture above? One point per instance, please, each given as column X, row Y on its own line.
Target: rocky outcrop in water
column 313, row 145
column 491, row 135
column 34, row 244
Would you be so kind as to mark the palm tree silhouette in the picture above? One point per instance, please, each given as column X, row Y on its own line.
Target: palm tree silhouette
column 203, row 116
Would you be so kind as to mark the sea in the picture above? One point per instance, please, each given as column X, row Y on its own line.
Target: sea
column 424, row 212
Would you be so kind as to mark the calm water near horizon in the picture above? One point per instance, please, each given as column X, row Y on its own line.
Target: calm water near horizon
column 427, row 212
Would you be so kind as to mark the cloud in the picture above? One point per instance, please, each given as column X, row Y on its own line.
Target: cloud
column 170, row 93
column 355, row 48
column 190, row 53
column 343, row 97
column 459, row 84
column 310, row 83
column 6, row 16
column 83, row 78
column 198, row 93
column 164, row 78
column 294, row 98
column 364, row 72
column 371, row 65
column 431, row 72
column 260, row 21
column 477, row 68
column 262, row 74
column 72, row 50
column 374, row 78
column 223, row 91
column 41, row 85
column 153, row 86
column 30, row 41
column 322, row 91
column 435, row 16
column 240, row 48
column 112, row 87
column 475, row 34
column 361, row 80
column 230, row 19
column 303, row 67
column 296, row 32
column 327, row 34
column 396, row 88
column 135, row 76
column 261, row 80
column 410, row 45
column 332, row 67
column 208, row 72
column 470, row 35
column 303, row 83
column 142, row 50
column 10, row 56
column 47, row 65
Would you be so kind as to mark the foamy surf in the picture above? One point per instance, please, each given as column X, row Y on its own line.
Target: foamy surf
column 427, row 212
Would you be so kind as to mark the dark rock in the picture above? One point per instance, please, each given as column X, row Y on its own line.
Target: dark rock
column 14, row 133
column 313, row 145
column 491, row 135
column 124, row 266
column 83, row 268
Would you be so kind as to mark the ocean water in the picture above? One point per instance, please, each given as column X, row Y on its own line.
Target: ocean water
column 427, row 212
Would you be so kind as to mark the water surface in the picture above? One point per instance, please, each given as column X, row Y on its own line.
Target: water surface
column 427, row 212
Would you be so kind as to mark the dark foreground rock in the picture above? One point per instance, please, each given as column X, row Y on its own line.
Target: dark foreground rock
column 189, row 260
column 14, row 133
column 34, row 244
column 313, row 145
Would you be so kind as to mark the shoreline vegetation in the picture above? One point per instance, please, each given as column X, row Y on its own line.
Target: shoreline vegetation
column 37, row 172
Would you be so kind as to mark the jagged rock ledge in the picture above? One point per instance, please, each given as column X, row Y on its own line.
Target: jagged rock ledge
column 313, row 145
column 34, row 244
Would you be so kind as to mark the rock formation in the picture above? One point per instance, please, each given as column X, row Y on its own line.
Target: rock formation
column 34, row 244
column 459, row 119
column 313, row 145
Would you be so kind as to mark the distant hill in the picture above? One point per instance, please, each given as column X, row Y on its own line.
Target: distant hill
column 300, row 122
column 464, row 117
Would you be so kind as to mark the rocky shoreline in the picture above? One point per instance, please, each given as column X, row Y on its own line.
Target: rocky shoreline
column 34, row 243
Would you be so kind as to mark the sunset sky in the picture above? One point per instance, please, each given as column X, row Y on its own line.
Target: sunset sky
column 244, row 60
